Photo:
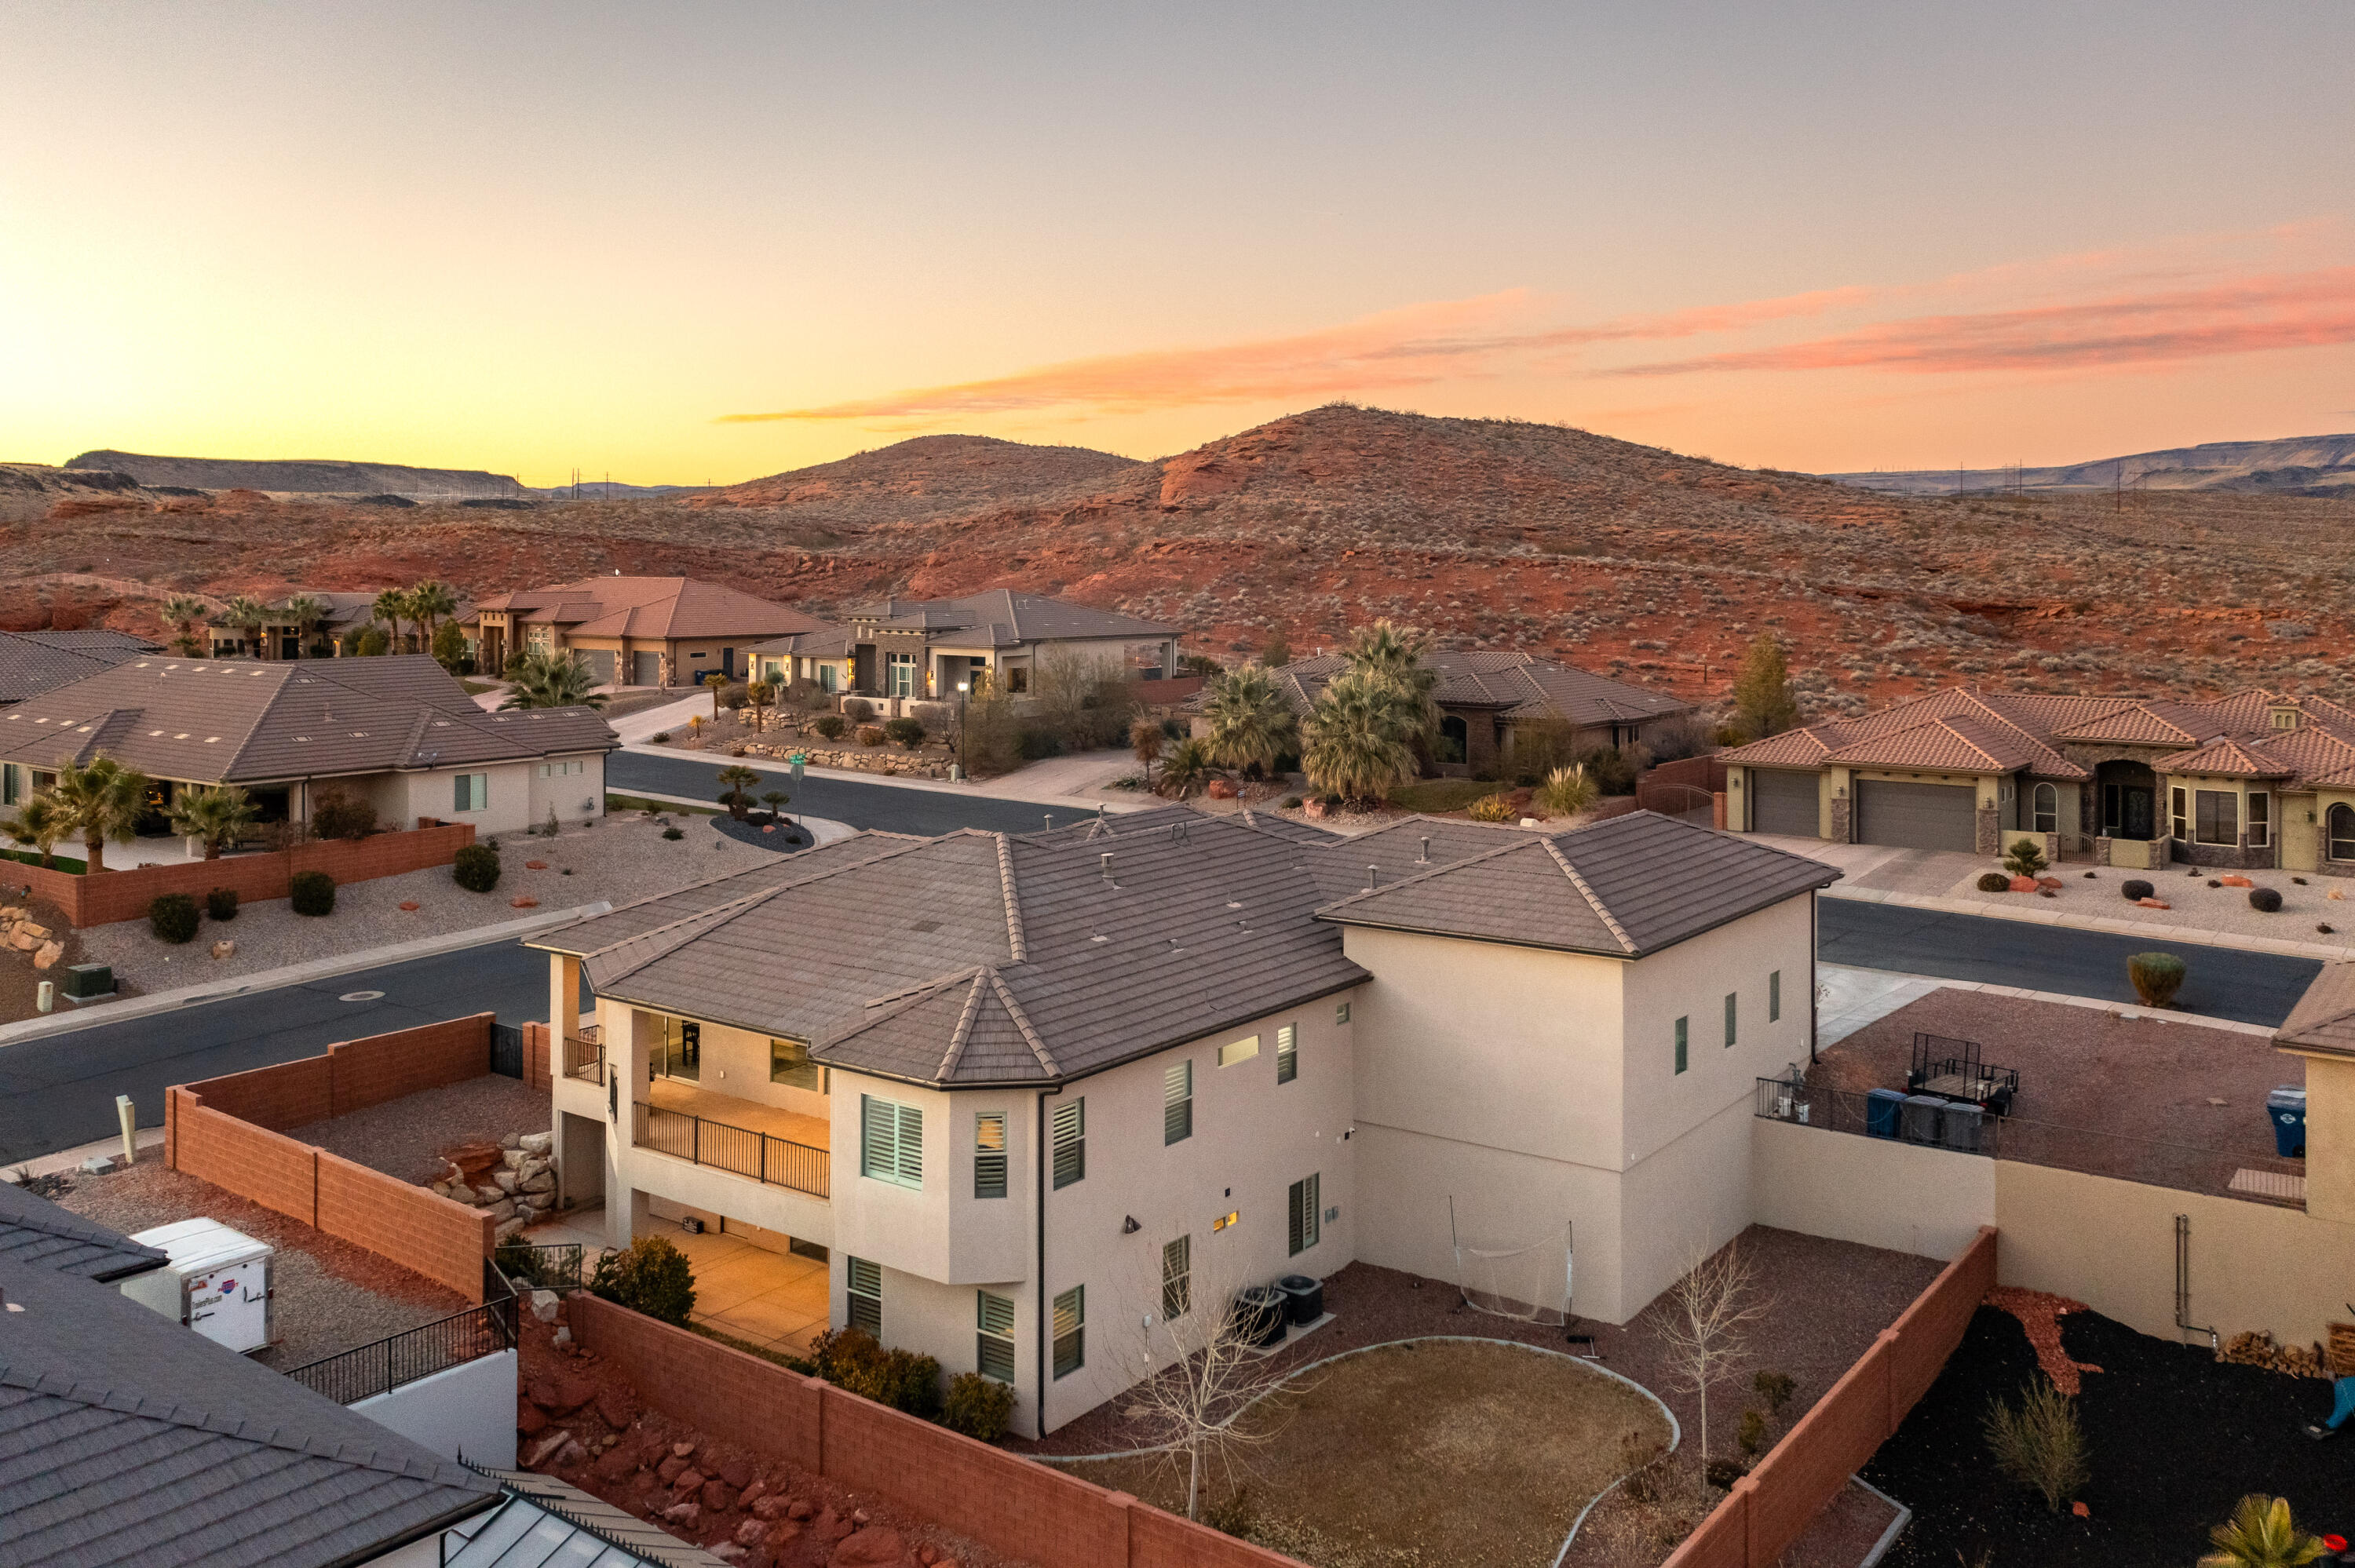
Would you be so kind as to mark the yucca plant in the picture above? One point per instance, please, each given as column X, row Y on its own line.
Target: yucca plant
column 2261, row 1534
column 2157, row 977
column 1567, row 791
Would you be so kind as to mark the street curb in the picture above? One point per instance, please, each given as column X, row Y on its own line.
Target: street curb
column 823, row 830
column 2193, row 935
column 295, row 974
column 2123, row 1009
column 967, row 791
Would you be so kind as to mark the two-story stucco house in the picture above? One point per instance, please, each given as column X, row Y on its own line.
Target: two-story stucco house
column 1021, row 1091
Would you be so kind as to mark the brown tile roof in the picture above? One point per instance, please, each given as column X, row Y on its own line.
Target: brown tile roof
column 34, row 663
column 652, row 607
column 1515, row 685
column 2225, row 759
column 1004, row 619
column 2324, row 1018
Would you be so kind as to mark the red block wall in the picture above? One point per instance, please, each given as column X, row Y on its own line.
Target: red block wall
column 114, row 896
column 537, row 1072
column 386, row 1066
column 444, row 1240
column 287, row 1095
column 270, row 1168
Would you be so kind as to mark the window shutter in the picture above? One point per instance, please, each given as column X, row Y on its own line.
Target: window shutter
column 1177, row 1277
column 1287, row 1052
column 864, row 1296
column 911, row 1146
column 1178, row 1103
column 989, row 1155
column 1682, row 1033
column 1071, row 1330
column 1291, row 1217
column 879, row 1153
column 1071, row 1142
column 1729, row 1003
column 993, row 1344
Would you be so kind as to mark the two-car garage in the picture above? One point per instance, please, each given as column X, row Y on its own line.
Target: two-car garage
column 1784, row 802
column 1917, row 816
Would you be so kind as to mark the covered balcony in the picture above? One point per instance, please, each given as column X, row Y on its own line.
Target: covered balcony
column 779, row 1147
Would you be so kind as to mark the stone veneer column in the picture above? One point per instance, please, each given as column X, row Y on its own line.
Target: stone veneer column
column 1840, row 827
column 1988, row 835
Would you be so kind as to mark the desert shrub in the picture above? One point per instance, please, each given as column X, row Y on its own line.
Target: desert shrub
column 871, row 735
column 2026, row 859
column 900, row 1379
column 905, row 732
column 220, row 903
column 1233, row 1514
column 1776, row 1388
column 2134, row 888
column 735, row 697
column 173, row 916
column 977, row 1406
column 650, row 1275
column 1750, row 1437
column 1037, row 742
column 2157, row 977
column 313, row 893
column 1677, row 739
column 1615, row 768
column 829, row 726
column 857, row 710
column 476, row 869
column 2039, row 1445
column 1722, row 1473
column 1290, row 802
column 2264, row 900
column 1994, row 882
column 660, row 736
column 337, row 815
column 1567, row 791
column 674, row 834
column 1496, row 808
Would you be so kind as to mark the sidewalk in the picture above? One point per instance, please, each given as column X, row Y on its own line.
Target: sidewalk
column 1059, row 781
column 2037, row 912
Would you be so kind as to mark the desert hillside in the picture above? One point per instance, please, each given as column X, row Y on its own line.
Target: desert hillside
column 1497, row 534
column 2296, row 465
column 300, row 476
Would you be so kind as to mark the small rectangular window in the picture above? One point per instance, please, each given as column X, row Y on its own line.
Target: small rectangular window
column 1223, row 1221
column 7, row 783
column 1681, row 1035
column 790, row 1063
column 2260, row 824
column 1730, row 1005
column 1341, row 1012
column 1775, row 997
column 1177, row 1277
column 994, row 1336
column 471, row 792
column 864, row 1296
column 1242, row 1050
column 1071, row 1142
column 891, row 1142
column 2217, row 816
column 1071, row 1330
column 989, row 1154
column 1303, row 1227
column 2178, row 814
column 1287, row 1052
column 1178, row 1103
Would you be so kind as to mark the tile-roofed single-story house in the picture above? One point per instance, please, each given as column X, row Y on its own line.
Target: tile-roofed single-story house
column 635, row 632
column 2253, row 779
column 919, row 648
column 1238, row 1039
column 1486, row 698
column 342, row 618
column 32, row 662
column 397, row 730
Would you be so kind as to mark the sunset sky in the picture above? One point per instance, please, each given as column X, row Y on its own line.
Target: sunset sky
column 682, row 242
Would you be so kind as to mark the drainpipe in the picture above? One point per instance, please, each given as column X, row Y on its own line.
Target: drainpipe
column 1039, row 1136
column 2183, row 1281
column 1815, row 934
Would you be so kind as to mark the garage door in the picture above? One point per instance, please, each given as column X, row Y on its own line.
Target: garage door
column 1784, row 803
column 601, row 664
column 1917, row 816
column 645, row 669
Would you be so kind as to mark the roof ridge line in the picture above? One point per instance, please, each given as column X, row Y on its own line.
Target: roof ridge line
column 776, row 887
column 1434, row 870
column 962, row 1032
column 1022, row 1021
column 1005, row 879
column 1602, row 911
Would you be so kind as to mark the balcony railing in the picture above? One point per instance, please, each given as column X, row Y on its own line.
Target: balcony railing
column 778, row 1162
column 584, row 1059
column 379, row 1368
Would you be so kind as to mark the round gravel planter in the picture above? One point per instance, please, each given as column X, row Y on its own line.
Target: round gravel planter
column 785, row 839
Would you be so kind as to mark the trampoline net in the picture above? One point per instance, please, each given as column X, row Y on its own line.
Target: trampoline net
column 1527, row 1281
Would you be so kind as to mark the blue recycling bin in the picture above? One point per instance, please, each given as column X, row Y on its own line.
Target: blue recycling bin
column 1880, row 1112
column 2285, row 1108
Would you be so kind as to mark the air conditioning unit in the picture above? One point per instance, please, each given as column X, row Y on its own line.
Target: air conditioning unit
column 220, row 1282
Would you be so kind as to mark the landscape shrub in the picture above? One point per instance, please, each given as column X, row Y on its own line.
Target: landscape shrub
column 220, row 903
column 871, row 735
column 2039, row 1445
column 1496, row 808
column 476, row 869
column 1291, row 802
column 337, row 815
column 2134, row 888
column 313, row 893
column 906, row 733
column 674, row 834
column 2026, row 859
column 1994, row 882
column 1776, row 1388
column 2264, row 900
column 173, row 916
column 1750, row 1437
column 980, row 1407
column 903, row 1379
column 829, row 726
column 857, row 710
column 1567, row 791
column 1614, row 769
column 733, row 697
column 661, row 735
column 1036, row 743
column 2157, row 977
column 650, row 1275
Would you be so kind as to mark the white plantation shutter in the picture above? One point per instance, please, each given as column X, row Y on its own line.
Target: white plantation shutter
column 1178, row 1103
column 994, row 1343
column 911, row 1146
column 1071, row 1142
column 1287, row 1052
column 891, row 1142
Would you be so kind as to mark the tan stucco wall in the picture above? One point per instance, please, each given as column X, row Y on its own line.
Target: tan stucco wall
column 2331, row 1140
column 1876, row 1191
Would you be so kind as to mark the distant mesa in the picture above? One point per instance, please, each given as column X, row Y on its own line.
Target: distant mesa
column 304, row 477
column 2295, row 465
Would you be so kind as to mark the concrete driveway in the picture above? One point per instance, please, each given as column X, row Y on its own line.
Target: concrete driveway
column 1881, row 869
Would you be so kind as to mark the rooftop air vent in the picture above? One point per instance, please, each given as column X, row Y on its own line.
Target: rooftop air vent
column 1422, row 856
column 1104, row 862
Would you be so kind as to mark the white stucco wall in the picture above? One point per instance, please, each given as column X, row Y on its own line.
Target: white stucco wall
column 466, row 1410
column 1877, row 1191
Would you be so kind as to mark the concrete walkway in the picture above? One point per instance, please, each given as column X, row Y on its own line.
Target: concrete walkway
column 1848, row 999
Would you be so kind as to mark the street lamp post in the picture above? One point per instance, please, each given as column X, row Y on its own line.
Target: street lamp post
column 963, row 689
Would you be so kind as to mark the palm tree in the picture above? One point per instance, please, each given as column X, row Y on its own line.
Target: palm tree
column 1145, row 743
column 1186, row 767
column 393, row 607
column 759, row 694
column 1388, row 651
column 552, row 681
column 2261, row 1535
column 738, row 778
column 303, row 613
column 718, row 683
column 39, row 824
column 428, row 601
column 101, row 799
column 1251, row 727
column 183, row 612
column 219, row 816
column 1355, row 738
column 248, row 615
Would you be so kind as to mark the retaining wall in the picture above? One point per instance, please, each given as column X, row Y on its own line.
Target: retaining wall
column 1010, row 1504
column 112, row 896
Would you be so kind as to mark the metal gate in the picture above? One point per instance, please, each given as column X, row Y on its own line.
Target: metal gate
column 1917, row 816
column 507, row 1049
column 1784, row 802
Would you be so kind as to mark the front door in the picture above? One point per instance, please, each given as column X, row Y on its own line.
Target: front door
column 2135, row 811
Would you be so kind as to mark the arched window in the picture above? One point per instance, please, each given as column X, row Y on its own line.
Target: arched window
column 2046, row 800
column 1454, row 739
column 2342, row 832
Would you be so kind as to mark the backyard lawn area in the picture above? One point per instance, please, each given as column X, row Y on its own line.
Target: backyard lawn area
column 1432, row 1451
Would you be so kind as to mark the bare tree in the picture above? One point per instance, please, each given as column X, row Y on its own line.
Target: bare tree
column 1703, row 1321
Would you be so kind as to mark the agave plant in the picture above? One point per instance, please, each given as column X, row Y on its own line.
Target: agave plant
column 2261, row 1534
column 1357, row 739
column 218, row 816
column 101, row 799
column 552, row 681
column 1251, row 727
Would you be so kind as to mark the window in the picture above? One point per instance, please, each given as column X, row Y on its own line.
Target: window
column 2341, row 825
column 989, row 1154
column 1018, row 678
column 1341, row 1012
column 826, row 677
column 891, row 1141
column 899, row 674
column 1302, row 1229
column 2180, row 817
column 7, row 783
column 1177, row 1277
column 2217, row 814
column 1178, row 1103
column 1775, row 997
column 561, row 770
column 1730, row 1005
column 2046, row 807
column 864, row 1306
column 473, row 792
column 790, row 1063
column 1071, row 1142
column 2285, row 718
column 2261, row 820
column 1680, row 1044
column 1223, row 1221
column 1242, row 1050
column 993, row 1349
column 677, row 1050
column 1287, row 1052
column 1071, row 1330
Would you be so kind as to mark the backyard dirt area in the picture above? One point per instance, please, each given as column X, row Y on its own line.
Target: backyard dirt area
column 618, row 858
column 331, row 1296
column 404, row 1138
column 1426, row 1452
column 21, row 982
column 2165, row 1102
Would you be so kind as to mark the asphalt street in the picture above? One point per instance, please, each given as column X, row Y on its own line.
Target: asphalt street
column 891, row 807
column 2221, row 982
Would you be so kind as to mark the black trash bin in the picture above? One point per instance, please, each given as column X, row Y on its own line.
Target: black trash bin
column 1303, row 1298
column 1259, row 1315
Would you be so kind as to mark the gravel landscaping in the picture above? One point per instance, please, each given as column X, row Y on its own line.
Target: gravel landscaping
column 619, row 858
column 404, row 1138
column 2095, row 893
column 332, row 1295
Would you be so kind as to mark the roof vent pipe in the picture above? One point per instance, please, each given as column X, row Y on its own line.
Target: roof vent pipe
column 1104, row 860
column 1373, row 875
column 1422, row 856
